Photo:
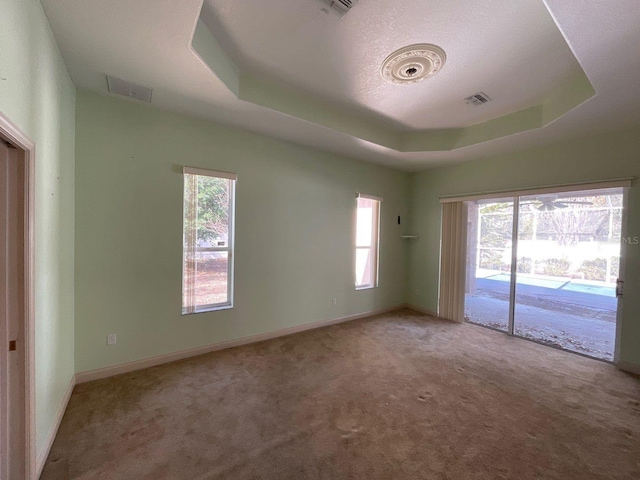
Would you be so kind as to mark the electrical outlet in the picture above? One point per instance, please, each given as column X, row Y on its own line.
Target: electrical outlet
column 334, row 301
column 111, row 339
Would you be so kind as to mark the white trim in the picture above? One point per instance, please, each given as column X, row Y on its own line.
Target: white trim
column 617, row 182
column 629, row 367
column 370, row 197
column 10, row 132
column 209, row 173
column 99, row 373
column 374, row 247
column 214, row 307
column 513, row 280
column 624, row 232
column 231, row 244
column 189, row 241
column 16, row 135
column 44, row 454
column 212, row 249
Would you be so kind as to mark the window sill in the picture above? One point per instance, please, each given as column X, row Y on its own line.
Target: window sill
column 208, row 309
column 366, row 288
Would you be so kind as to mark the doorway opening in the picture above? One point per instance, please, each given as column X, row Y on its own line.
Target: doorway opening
column 17, row 452
column 546, row 267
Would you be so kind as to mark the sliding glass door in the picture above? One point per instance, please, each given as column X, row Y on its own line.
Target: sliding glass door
column 544, row 267
column 488, row 273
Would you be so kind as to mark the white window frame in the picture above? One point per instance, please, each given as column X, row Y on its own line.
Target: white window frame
column 191, row 307
column 374, row 247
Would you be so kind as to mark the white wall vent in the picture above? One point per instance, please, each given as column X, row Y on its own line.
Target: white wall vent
column 128, row 89
column 341, row 6
column 479, row 98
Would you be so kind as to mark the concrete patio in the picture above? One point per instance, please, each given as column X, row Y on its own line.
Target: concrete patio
column 575, row 315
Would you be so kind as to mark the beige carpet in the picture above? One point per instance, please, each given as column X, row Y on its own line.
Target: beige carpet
column 397, row 396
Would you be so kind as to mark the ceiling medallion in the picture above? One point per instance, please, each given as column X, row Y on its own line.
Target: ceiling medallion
column 413, row 64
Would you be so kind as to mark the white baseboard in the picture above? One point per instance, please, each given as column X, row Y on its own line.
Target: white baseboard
column 97, row 374
column 42, row 456
column 629, row 367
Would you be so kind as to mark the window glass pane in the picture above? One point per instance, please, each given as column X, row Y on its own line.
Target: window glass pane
column 488, row 270
column 206, row 278
column 367, row 219
column 568, row 264
column 363, row 267
column 207, row 242
column 213, row 211
column 364, row 223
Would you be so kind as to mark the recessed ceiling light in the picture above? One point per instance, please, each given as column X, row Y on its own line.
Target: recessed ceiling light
column 413, row 64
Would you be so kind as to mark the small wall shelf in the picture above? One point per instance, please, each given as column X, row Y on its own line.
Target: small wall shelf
column 410, row 237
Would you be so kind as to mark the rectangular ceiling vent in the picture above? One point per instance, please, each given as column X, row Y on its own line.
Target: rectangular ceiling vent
column 128, row 89
column 341, row 6
column 479, row 98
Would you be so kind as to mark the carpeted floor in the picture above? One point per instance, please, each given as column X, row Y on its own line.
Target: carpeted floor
column 397, row 396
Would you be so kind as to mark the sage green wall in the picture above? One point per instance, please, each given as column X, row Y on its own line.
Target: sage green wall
column 294, row 232
column 601, row 157
column 37, row 95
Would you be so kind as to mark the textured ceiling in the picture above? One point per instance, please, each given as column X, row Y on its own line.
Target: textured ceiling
column 149, row 42
column 512, row 51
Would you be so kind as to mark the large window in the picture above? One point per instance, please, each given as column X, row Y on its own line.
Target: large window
column 207, row 265
column 367, row 233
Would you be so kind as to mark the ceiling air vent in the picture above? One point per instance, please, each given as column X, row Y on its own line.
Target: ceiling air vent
column 341, row 6
column 128, row 89
column 479, row 98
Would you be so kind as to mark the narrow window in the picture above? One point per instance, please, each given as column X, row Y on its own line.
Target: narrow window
column 207, row 259
column 367, row 235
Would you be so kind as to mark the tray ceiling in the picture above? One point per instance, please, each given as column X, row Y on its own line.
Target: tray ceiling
column 287, row 69
column 514, row 53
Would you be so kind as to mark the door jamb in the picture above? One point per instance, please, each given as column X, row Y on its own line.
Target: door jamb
column 624, row 231
column 11, row 133
column 515, row 219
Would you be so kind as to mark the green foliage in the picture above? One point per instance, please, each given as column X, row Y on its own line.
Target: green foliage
column 524, row 265
column 211, row 216
column 503, row 207
column 492, row 260
column 526, row 224
column 615, row 266
column 496, row 228
column 558, row 267
column 594, row 269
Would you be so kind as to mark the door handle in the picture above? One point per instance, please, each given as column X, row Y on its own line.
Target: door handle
column 619, row 288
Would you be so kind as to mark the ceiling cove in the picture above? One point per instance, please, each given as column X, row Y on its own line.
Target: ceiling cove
column 251, row 86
